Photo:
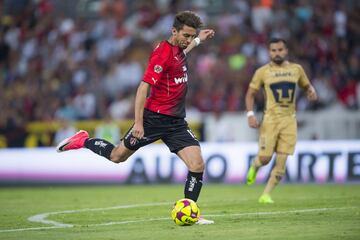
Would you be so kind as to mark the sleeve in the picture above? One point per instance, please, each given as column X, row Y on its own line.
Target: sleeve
column 257, row 80
column 303, row 79
column 156, row 65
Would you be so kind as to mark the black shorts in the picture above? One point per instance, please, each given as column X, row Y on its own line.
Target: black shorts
column 174, row 132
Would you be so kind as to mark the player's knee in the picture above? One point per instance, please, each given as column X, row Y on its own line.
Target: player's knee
column 197, row 166
column 264, row 160
column 118, row 159
column 118, row 156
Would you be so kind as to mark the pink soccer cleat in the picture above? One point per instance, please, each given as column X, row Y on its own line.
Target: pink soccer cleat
column 75, row 142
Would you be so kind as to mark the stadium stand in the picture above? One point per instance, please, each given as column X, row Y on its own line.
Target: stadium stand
column 76, row 59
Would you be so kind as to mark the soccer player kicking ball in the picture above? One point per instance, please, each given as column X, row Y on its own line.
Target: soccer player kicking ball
column 278, row 129
column 161, row 115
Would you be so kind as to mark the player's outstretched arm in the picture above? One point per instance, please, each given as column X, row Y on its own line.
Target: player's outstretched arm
column 311, row 94
column 203, row 35
column 249, row 102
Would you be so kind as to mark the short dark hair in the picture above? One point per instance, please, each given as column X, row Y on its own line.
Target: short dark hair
column 277, row 40
column 187, row 18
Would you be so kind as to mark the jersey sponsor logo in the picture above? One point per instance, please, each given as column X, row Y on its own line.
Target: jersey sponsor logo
column 158, row 68
column 154, row 80
column 283, row 74
column 182, row 79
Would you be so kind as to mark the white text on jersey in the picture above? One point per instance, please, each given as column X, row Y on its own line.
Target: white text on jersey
column 182, row 79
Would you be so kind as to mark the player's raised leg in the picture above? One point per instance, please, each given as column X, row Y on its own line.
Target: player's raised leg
column 251, row 174
column 258, row 162
column 75, row 142
column 101, row 147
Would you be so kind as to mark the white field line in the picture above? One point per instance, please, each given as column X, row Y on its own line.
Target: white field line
column 42, row 217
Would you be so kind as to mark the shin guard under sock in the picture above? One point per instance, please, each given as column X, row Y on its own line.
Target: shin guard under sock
column 100, row 146
column 193, row 185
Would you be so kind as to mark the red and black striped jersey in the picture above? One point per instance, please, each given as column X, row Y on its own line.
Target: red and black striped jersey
column 167, row 74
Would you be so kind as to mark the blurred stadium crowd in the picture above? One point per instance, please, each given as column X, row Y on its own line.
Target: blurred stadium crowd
column 55, row 66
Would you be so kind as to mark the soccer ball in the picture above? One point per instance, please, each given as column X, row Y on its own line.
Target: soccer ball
column 185, row 212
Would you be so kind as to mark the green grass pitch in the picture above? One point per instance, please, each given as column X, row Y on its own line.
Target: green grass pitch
column 143, row 212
